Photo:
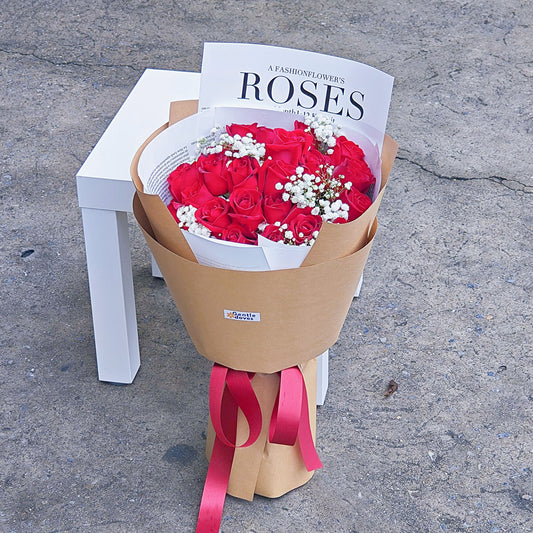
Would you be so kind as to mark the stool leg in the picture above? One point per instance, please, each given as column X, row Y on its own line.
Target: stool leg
column 112, row 298
column 156, row 273
column 322, row 369
column 359, row 285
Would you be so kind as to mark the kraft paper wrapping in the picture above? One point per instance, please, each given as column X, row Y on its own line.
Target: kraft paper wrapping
column 301, row 310
column 301, row 314
column 264, row 468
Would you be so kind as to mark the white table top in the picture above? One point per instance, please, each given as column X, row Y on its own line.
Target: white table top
column 104, row 179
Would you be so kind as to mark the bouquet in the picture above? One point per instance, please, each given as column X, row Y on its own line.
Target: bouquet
column 278, row 213
column 253, row 182
column 303, row 188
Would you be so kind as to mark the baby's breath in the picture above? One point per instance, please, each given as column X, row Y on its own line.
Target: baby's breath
column 325, row 131
column 186, row 215
column 288, row 237
column 319, row 191
column 235, row 146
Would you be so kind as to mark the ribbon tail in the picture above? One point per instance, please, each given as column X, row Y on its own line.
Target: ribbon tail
column 215, row 488
column 286, row 414
column 218, row 472
column 305, row 437
column 229, row 390
column 290, row 417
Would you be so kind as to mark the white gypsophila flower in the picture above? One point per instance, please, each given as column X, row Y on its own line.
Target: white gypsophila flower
column 186, row 215
column 324, row 129
column 319, row 192
column 199, row 229
column 205, row 142
column 236, row 146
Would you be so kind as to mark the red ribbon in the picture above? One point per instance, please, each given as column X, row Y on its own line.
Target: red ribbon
column 290, row 417
column 231, row 390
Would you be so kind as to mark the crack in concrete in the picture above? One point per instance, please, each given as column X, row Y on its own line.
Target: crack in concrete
column 65, row 63
column 527, row 189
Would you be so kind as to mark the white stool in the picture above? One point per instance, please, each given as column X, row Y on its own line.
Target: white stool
column 105, row 194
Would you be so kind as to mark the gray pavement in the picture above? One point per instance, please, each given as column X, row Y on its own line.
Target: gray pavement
column 445, row 309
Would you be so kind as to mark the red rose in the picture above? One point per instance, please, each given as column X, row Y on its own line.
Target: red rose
column 297, row 135
column 213, row 214
column 312, row 159
column 272, row 233
column 357, row 172
column 241, row 129
column 290, row 146
column 249, row 183
column 302, row 224
column 274, row 208
column 246, row 201
column 183, row 177
column 261, row 134
column 247, row 211
column 265, row 135
column 197, row 194
column 213, row 169
column 357, row 201
column 289, row 153
column 236, row 233
column 241, row 168
column 345, row 148
column 273, row 172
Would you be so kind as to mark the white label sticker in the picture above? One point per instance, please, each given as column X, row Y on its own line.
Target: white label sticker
column 242, row 315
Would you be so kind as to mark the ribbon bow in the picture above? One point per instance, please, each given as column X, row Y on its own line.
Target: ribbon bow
column 231, row 390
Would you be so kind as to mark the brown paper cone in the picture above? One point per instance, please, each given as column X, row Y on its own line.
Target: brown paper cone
column 301, row 310
column 301, row 314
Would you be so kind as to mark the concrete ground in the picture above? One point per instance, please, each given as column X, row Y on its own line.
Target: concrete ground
column 445, row 309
